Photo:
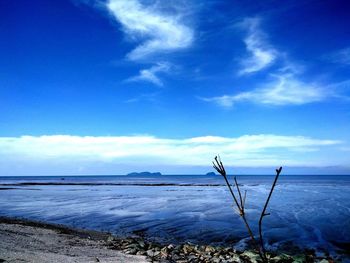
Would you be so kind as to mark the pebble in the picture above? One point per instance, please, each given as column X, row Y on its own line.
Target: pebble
column 191, row 253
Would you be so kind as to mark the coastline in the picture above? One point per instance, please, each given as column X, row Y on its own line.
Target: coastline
column 33, row 241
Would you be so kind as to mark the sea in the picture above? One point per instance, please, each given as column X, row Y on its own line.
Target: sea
column 306, row 211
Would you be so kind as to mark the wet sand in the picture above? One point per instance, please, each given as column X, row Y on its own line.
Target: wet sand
column 28, row 241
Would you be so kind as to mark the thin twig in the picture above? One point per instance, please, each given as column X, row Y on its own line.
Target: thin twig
column 245, row 195
column 221, row 170
column 240, row 196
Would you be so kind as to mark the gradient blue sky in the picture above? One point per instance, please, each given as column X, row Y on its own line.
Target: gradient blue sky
column 114, row 86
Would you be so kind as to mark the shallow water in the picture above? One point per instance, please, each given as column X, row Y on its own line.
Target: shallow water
column 309, row 211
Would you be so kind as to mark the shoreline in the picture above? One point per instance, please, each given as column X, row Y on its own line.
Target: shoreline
column 23, row 239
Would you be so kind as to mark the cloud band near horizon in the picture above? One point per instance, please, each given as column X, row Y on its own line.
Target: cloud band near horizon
column 246, row 150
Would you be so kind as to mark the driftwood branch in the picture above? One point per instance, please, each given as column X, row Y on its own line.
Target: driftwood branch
column 263, row 213
column 219, row 167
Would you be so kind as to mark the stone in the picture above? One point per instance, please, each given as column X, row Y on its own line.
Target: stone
column 187, row 248
column 164, row 252
column 150, row 253
column 253, row 257
column 141, row 243
column 299, row 259
column 131, row 251
column 235, row 258
column 170, row 246
column 209, row 249
column 110, row 238
column 191, row 257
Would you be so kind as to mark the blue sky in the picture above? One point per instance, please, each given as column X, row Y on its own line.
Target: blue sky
column 114, row 86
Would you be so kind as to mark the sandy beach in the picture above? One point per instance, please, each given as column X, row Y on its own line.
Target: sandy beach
column 27, row 241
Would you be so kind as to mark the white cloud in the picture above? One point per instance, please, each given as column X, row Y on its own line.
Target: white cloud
column 159, row 32
column 261, row 54
column 284, row 89
column 252, row 150
column 341, row 56
column 150, row 75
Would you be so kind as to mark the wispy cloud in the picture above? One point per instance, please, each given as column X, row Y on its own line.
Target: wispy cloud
column 262, row 54
column 247, row 150
column 284, row 89
column 150, row 75
column 341, row 56
column 158, row 32
column 285, row 85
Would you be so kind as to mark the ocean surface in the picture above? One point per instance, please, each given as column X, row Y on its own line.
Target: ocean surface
column 307, row 211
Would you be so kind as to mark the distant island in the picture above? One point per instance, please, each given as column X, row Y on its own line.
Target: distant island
column 145, row 174
column 211, row 174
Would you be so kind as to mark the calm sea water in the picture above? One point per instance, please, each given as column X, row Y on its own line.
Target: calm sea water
column 307, row 211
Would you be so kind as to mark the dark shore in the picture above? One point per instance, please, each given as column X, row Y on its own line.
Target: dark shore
column 24, row 240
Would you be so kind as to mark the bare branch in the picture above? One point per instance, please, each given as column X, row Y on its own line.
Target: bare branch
column 240, row 196
column 245, row 195
column 263, row 213
column 232, row 193
column 221, row 169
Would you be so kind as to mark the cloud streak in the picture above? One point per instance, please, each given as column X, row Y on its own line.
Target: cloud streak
column 262, row 55
column 158, row 32
column 284, row 86
column 283, row 90
column 150, row 75
column 341, row 56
